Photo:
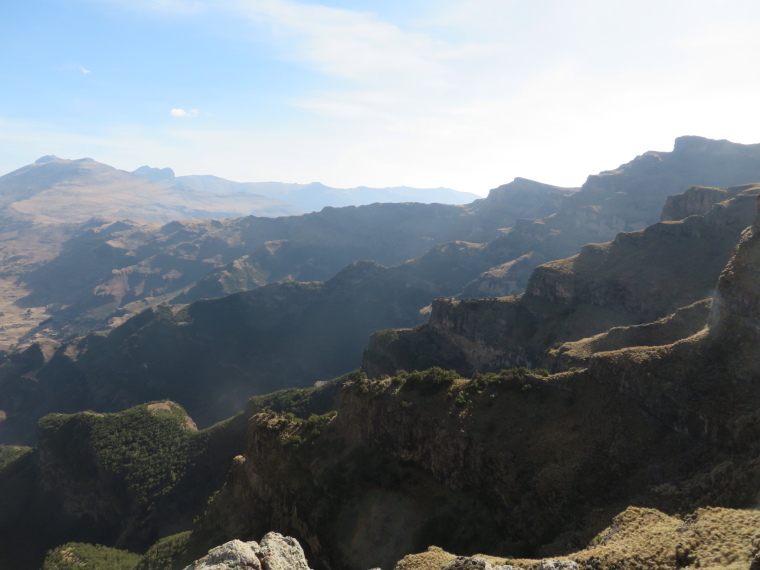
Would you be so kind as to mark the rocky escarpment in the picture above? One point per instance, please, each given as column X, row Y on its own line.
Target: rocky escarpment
column 109, row 271
column 695, row 201
column 705, row 385
column 632, row 197
column 514, row 463
column 275, row 552
column 685, row 322
column 524, row 198
column 736, row 311
column 637, row 278
column 413, row 461
column 399, row 468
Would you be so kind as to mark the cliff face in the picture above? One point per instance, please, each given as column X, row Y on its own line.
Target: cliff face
column 513, row 462
column 632, row 197
column 695, row 201
column 108, row 270
column 525, row 198
column 399, row 469
column 736, row 311
column 517, row 463
column 637, row 278
column 685, row 322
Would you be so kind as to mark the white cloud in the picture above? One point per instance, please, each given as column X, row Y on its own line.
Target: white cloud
column 353, row 45
column 76, row 67
column 479, row 91
column 184, row 114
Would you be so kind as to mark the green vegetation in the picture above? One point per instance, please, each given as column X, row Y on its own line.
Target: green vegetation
column 301, row 402
column 147, row 447
column 514, row 378
column 386, row 336
column 299, row 430
column 462, row 390
column 146, row 464
column 359, row 379
column 164, row 554
column 76, row 556
column 10, row 453
column 428, row 381
column 436, row 379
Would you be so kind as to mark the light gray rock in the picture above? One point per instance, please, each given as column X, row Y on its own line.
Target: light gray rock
column 467, row 563
column 232, row 555
column 557, row 565
column 282, row 553
column 276, row 552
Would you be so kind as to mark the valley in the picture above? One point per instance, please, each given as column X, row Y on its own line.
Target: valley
column 546, row 372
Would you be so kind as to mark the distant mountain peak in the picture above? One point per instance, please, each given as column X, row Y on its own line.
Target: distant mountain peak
column 46, row 158
column 696, row 144
column 154, row 174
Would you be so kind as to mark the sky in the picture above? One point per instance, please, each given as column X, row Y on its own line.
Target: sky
column 466, row 94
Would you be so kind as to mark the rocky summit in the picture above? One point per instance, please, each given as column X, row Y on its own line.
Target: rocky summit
column 275, row 552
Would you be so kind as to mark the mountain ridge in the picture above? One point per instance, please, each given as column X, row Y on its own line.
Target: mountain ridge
column 519, row 462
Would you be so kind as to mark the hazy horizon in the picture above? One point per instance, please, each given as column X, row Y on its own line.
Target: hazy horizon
column 462, row 94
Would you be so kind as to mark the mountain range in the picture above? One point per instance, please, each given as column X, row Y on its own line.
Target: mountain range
column 550, row 357
column 301, row 198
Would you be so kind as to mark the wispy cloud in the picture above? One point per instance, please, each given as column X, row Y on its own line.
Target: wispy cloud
column 475, row 92
column 76, row 67
column 184, row 114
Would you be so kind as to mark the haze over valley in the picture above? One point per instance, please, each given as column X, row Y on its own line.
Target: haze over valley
column 536, row 288
column 353, row 285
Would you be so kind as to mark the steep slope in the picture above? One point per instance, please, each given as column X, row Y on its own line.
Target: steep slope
column 627, row 199
column 123, row 480
column 515, row 463
column 128, row 266
column 211, row 355
column 637, row 278
column 119, row 479
column 295, row 334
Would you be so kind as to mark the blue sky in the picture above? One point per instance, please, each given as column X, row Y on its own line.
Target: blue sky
column 460, row 93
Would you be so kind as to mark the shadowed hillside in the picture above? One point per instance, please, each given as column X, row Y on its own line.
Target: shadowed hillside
column 637, row 278
column 518, row 463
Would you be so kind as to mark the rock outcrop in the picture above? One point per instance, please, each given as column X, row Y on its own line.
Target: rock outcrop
column 685, row 322
column 695, row 201
column 639, row 538
column 274, row 552
column 637, row 278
